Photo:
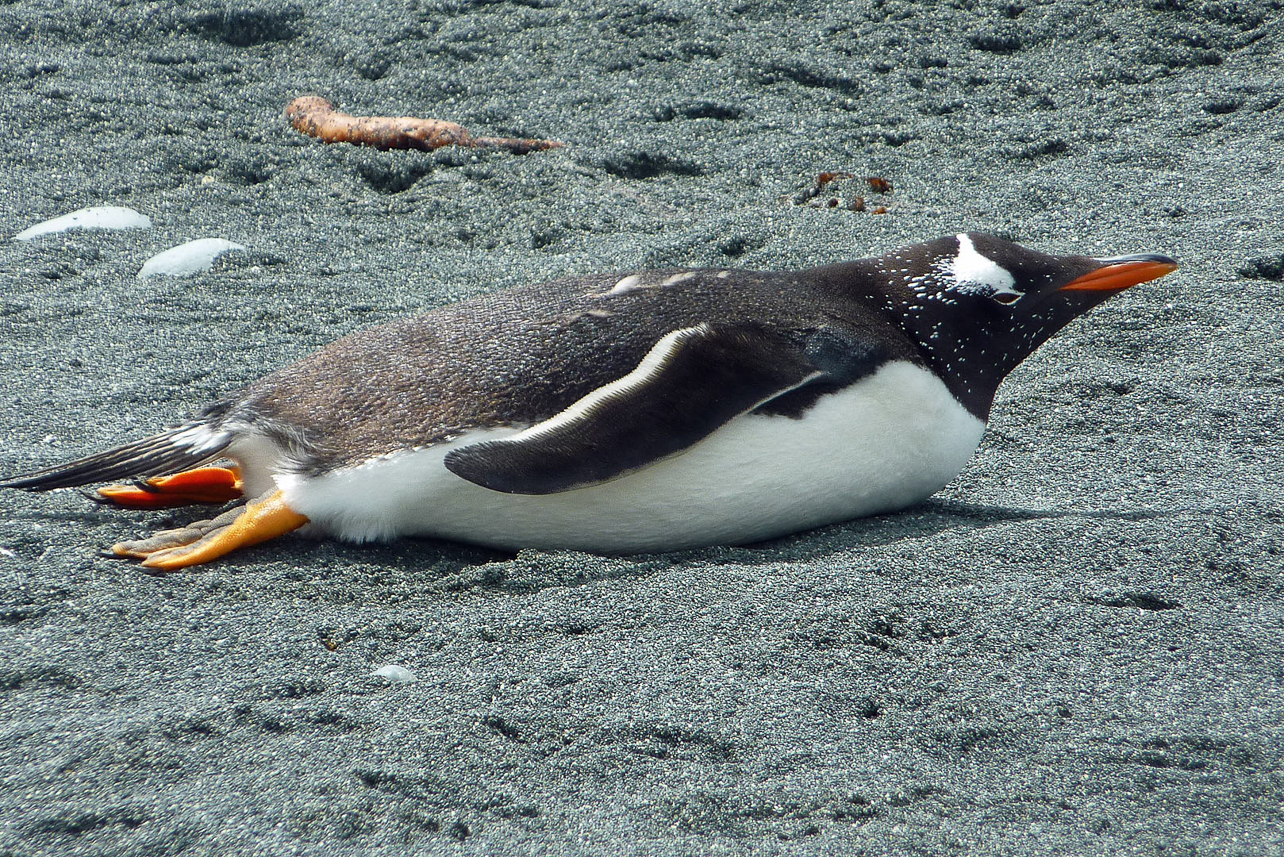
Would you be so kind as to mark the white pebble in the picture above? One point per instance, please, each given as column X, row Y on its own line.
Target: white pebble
column 394, row 674
column 194, row 257
column 99, row 217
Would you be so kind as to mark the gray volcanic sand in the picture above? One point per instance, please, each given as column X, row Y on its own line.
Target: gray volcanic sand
column 1076, row 647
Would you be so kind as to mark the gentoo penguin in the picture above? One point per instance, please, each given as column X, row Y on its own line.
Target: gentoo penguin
column 620, row 413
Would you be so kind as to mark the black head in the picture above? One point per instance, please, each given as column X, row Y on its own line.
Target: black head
column 980, row 305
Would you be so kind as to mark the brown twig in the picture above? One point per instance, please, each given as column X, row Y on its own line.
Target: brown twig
column 316, row 117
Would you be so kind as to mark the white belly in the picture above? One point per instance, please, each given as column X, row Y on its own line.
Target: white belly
column 882, row 444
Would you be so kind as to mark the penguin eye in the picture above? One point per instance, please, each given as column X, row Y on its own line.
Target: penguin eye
column 1006, row 298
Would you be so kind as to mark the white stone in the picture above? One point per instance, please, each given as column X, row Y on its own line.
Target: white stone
column 395, row 674
column 194, row 257
column 99, row 217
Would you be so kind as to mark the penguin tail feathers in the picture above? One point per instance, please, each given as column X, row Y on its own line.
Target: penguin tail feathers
column 179, row 448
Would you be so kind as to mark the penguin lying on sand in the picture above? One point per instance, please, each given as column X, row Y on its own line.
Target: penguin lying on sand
column 616, row 413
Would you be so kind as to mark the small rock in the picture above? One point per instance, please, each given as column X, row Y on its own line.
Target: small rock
column 1263, row 268
column 194, row 257
column 394, row 674
column 99, row 217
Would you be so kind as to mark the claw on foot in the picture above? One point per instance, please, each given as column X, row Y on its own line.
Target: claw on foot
column 203, row 541
column 202, row 485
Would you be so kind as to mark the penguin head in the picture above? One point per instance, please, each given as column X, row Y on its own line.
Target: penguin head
column 974, row 270
column 979, row 304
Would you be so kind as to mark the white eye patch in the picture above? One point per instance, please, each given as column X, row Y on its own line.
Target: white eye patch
column 976, row 274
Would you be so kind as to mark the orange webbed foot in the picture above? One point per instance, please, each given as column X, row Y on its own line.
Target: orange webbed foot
column 202, row 485
column 203, row 541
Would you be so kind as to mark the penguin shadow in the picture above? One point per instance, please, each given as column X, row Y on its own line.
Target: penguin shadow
column 460, row 567
column 406, row 567
column 438, row 556
column 930, row 518
column 440, row 566
column 530, row 571
column 447, row 566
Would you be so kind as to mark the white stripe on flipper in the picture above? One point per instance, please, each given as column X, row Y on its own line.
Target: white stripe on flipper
column 653, row 363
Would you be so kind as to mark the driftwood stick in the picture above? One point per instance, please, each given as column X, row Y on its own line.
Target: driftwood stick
column 316, row 117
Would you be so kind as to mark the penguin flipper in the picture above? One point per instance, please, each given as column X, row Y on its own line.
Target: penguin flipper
column 692, row 381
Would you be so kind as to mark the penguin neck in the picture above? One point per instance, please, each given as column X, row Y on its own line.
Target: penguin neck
column 967, row 357
column 973, row 348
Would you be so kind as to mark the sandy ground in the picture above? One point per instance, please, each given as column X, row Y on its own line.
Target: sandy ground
column 1075, row 648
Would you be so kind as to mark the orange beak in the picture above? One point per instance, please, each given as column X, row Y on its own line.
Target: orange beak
column 1122, row 272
